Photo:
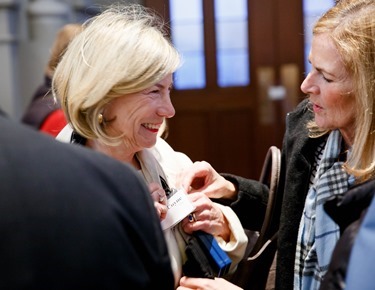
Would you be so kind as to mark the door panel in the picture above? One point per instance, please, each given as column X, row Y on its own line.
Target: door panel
column 233, row 127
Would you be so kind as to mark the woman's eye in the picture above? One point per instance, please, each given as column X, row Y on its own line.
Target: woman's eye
column 155, row 91
column 327, row 80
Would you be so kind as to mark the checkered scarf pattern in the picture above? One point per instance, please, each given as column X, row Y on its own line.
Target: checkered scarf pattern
column 318, row 233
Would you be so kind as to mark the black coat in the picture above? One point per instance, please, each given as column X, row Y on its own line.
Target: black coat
column 297, row 159
column 348, row 212
column 72, row 218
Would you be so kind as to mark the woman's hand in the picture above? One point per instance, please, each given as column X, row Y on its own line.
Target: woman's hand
column 202, row 177
column 187, row 283
column 207, row 217
column 160, row 199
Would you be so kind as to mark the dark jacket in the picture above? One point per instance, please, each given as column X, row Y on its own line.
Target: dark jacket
column 72, row 218
column 347, row 211
column 41, row 105
column 297, row 158
column 360, row 272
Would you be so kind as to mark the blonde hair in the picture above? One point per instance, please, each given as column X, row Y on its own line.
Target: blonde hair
column 351, row 26
column 63, row 37
column 123, row 50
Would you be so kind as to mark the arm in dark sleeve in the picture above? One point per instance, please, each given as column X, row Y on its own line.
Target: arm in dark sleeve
column 251, row 202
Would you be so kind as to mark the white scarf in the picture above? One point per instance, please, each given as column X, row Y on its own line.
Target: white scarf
column 152, row 172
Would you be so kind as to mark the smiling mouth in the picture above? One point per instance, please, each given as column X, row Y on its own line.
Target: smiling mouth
column 151, row 127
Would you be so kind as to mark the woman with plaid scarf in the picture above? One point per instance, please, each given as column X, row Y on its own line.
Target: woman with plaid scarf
column 328, row 147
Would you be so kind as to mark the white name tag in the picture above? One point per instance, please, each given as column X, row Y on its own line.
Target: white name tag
column 179, row 207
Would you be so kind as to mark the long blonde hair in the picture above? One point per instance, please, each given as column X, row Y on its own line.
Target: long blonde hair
column 351, row 26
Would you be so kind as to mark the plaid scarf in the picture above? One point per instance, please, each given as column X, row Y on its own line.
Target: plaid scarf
column 318, row 233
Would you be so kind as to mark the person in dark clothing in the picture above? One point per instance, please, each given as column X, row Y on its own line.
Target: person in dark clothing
column 328, row 147
column 348, row 211
column 44, row 113
column 360, row 270
column 72, row 218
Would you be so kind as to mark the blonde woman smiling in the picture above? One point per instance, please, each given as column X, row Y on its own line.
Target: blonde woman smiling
column 114, row 85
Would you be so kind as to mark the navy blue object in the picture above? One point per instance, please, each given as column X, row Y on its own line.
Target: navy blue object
column 219, row 260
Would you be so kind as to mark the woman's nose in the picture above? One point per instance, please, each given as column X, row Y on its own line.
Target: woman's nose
column 308, row 86
column 167, row 109
column 304, row 85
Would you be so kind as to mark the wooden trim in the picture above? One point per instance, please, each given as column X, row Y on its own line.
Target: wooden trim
column 210, row 43
column 162, row 7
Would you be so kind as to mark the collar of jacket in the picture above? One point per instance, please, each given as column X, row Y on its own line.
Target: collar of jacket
column 345, row 209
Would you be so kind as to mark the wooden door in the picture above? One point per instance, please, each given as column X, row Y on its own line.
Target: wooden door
column 233, row 127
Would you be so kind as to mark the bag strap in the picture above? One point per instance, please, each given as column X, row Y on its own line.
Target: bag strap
column 270, row 175
column 253, row 272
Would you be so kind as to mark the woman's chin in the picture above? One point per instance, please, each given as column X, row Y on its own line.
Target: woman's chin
column 149, row 143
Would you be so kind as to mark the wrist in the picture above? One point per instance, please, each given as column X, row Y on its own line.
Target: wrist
column 230, row 190
column 225, row 230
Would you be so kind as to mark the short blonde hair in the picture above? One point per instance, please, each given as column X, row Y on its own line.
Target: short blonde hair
column 351, row 26
column 125, row 49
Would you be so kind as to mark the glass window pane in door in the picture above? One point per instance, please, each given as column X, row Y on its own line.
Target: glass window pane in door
column 232, row 68
column 188, row 44
column 232, row 42
column 231, row 35
column 192, row 74
column 187, row 36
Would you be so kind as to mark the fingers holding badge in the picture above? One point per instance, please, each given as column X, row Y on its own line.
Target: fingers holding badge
column 192, row 218
column 160, row 199
column 157, row 193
